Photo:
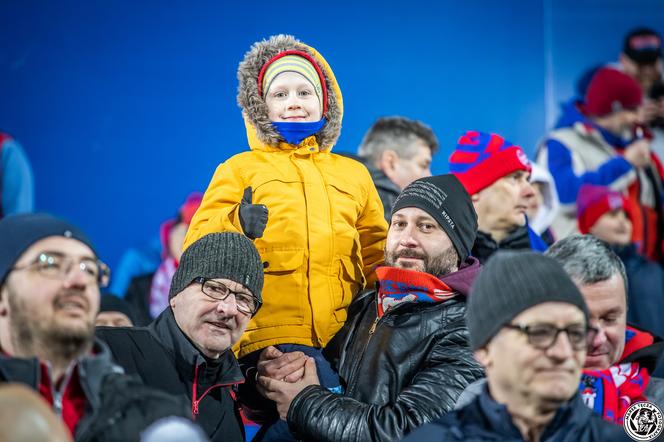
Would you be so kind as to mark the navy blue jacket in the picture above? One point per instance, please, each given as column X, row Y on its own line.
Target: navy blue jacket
column 486, row 420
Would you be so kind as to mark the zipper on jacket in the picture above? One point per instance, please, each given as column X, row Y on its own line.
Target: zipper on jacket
column 373, row 327
column 195, row 401
column 59, row 393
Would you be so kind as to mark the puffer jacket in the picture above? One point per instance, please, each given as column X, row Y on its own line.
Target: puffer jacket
column 325, row 231
column 398, row 372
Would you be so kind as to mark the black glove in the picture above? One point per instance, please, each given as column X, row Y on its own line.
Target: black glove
column 253, row 217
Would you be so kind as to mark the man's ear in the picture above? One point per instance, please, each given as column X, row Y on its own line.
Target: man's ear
column 387, row 162
column 171, row 302
column 4, row 300
column 475, row 198
column 482, row 356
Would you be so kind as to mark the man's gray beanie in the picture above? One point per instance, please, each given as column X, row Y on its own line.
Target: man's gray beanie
column 226, row 255
column 510, row 283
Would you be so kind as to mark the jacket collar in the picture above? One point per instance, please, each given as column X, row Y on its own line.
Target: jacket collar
column 485, row 245
column 463, row 279
column 92, row 368
column 498, row 419
column 187, row 356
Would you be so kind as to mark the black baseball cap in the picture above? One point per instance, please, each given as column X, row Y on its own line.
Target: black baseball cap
column 643, row 46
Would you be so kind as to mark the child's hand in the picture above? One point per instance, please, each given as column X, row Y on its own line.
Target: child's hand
column 253, row 217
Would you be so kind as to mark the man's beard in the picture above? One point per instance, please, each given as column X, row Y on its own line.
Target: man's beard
column 56, row 338
column 438, row 265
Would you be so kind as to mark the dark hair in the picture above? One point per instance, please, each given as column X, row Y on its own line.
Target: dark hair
column 398, row 134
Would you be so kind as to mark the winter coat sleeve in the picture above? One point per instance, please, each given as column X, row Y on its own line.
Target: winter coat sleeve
column 218, row 211
column 372, row 228
column 317, row 414
column 568, row 182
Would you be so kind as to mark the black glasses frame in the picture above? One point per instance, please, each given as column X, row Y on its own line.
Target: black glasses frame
column 204, row 282
column 591, row 332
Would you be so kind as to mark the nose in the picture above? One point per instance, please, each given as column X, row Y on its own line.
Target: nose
column 228, row 306
column 76, row 277
column 407, row 238
column 561, row 348
column 527, row 190
column 293, row 102
column 599, row 339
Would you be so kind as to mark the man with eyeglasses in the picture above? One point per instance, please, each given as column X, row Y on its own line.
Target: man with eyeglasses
column 186, row 351
column 621, row 365
column 528, row 326
column 50, row 278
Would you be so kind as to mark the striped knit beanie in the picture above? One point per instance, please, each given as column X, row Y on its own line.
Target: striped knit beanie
column 293, row 61
column 481, row 158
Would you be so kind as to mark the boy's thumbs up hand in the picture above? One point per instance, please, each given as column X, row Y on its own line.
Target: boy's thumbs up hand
column 253, row 217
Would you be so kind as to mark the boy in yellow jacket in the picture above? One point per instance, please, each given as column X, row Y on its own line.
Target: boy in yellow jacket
column 316, row 216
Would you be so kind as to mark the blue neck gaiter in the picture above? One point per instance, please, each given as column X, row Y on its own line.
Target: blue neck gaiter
column 295, row 132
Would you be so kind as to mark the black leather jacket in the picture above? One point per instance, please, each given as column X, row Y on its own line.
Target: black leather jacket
column 399, row 372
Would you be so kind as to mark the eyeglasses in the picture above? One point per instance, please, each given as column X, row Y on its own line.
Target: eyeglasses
column 55, row 265
column 544, row 336
column 246, row 303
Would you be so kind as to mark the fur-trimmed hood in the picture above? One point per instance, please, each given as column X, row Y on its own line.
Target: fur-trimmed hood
column 260, row 132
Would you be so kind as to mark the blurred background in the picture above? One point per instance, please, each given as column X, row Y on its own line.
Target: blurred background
column 125, row 107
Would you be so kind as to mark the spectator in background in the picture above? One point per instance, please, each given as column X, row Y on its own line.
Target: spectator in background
column 654, row 115
column 603, row 145
column 496, row 174
column 621, row 362
column 397, row 151
column 50, row 277
column 403, row 353
column 16, row 180
column 529, row 328
column 641, row 57
column 543, row 206
column 114, row 312
column 148, row 294
column 608, row 215
column 186, row 351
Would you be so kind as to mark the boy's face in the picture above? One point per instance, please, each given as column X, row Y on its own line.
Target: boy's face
column 613, row 227
column 292, row 98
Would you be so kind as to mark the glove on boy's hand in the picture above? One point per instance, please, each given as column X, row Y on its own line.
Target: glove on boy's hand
column 253, row 217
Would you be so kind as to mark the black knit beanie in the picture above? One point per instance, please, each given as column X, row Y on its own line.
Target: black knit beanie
column 226, row 255
column 446, row 200
column 510, row 283
column 18, row 232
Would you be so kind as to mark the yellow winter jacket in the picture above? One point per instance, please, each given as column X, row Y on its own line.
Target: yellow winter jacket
column 325, row 232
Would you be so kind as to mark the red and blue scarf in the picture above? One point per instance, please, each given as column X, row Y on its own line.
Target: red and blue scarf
column 610, row 392
column 400, row 285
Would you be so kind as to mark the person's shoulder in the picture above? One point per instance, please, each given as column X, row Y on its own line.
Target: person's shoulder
column 449, row 427
column 114, row 336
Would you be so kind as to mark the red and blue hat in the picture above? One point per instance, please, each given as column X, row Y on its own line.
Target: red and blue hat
column 594, row 201
column 480, row 159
